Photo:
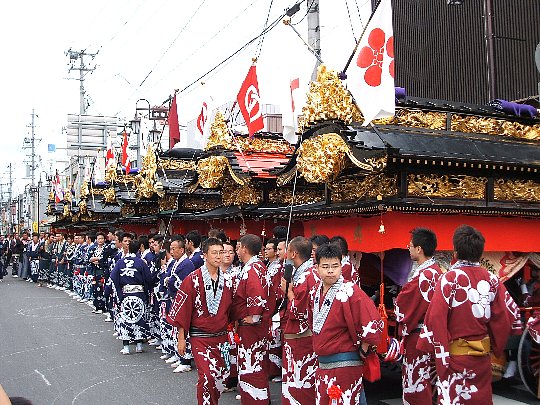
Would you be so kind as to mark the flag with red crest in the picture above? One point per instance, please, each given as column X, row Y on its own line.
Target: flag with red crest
column 126, row 163
column 58, row 191
column 371, row 75
column 249, row 102
column 109, row 157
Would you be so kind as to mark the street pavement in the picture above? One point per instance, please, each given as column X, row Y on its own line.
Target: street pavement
column 54, row 351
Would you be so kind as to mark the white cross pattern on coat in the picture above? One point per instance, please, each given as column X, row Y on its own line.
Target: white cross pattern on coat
column 426, row 334
column 397, row 312
column 366, row 330
column 440, row 353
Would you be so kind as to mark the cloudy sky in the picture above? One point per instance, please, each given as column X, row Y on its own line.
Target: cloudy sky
column 146, row 49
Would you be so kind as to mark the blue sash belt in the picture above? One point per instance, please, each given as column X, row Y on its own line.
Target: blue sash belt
column 334, row 358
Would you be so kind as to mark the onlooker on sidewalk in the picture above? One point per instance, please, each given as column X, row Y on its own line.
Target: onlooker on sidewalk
column 23, row 257
column 3, row 248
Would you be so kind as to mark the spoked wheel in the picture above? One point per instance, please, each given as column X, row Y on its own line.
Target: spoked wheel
column 529, row 362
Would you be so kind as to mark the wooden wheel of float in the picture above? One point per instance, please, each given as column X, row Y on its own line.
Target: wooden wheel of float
column 529, row 362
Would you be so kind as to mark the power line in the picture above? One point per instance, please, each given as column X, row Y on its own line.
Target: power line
column 188, row 58
column 221, row 64
column 265, row 30
column 259, row 47
column 173, row 42
column 350, row 19
column 305, row 15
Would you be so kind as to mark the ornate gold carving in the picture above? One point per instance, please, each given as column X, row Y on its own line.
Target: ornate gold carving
column 66, row 211
column 517, row 190
column 127, row 210
column 51, row 195
column 97, row 191
column 110, row 173
column 494, row 126
column 201, row 203
column 148, row 209
column 125, row 179
column 68, row 197
column 233, row 194
column 283, row 196
column 219, row 133
column 328, row 99
column 168, row 202
column 285, row 178
column 83, row 207
column 146, row 180
column 371, row 186
column 109, row 196
column 377, row 164
column 420, row 119
column 263, row 145
column 221, row 137
column 173, row 164
column 211, row 171
column 447, row 186
column 463, row 123
column 322, row 157
column 84, row 192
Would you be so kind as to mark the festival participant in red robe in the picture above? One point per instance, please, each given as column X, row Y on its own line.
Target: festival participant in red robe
column 202, row 306
column 410, row 308
column 468, row 317
column 346, row 326
column 273, row 280
column 299, row 359
column 250, row 309
column 348, row 271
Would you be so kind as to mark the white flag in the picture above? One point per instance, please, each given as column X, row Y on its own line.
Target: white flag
column 198, row 130
column 86, row 169
column 296, row 88
column 99, row 168
column 370, row 77
column 291, row 110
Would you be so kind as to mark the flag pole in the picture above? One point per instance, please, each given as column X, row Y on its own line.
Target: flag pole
column 342, row 74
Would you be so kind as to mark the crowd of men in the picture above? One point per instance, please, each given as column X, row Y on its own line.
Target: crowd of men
column 289, row 311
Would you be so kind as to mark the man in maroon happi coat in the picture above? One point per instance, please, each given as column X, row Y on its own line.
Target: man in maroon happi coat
column 299, row 359
column 469, row 316
column 346, row 326
column 410, row 308
column 202, row 307
column 250, row 310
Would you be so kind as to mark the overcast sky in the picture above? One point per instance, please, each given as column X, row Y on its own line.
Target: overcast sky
column 171, row 41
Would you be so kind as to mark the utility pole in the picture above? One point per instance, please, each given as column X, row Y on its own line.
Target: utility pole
column 10, row 221
column 314, row 33
column 83, row 70
column 31, row 144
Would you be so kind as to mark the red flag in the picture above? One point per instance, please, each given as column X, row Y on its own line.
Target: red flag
column 174, row 127
column 125, row 158
column 109, row 158
column 295, row 84
column 249, row 102
column 58, row 192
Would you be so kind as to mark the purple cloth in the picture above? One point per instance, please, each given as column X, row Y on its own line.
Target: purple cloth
column 397, row 264
column 519, row 110
column 401, row 93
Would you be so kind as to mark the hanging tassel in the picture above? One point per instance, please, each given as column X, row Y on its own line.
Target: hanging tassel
column 383, row 346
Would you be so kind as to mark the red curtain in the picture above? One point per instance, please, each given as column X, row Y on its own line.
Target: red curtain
column 362, row 233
